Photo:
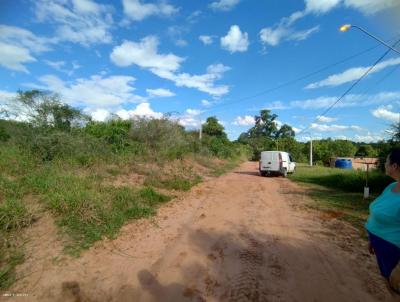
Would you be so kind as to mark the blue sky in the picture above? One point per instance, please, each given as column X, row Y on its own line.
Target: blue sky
column 194, row 59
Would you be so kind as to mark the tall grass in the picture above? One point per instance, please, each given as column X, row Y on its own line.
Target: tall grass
column 345, row 180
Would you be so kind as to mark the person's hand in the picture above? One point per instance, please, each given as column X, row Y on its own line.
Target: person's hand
column 371, row 249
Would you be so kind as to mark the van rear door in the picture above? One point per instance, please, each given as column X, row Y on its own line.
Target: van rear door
column 269, row 161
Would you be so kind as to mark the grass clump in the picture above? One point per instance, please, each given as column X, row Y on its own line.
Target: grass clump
column 87, row 210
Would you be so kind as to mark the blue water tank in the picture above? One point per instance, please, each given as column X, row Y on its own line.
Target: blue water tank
column 343, row 163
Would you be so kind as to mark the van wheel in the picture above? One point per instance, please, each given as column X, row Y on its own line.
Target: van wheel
column 262, row 173
column 284, row 173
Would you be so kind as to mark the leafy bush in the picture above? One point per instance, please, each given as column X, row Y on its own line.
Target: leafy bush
column 114, row 132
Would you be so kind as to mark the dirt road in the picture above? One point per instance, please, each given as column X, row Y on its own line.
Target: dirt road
column 239, row 237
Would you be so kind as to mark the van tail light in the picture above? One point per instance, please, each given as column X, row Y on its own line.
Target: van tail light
column 259, row 165
column 280, row 160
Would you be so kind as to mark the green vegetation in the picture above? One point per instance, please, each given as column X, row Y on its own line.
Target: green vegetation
column 344, row 180
column 60, row 161
column 339, row 193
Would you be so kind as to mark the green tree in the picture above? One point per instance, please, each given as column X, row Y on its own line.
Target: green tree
column 285, row 131
column 396, row 132
column 366, row 151
column 265, row 125
column 213, row 128
column 45, row 110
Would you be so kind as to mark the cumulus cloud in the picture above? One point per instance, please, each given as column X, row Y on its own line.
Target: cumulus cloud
column 93, row 92
column 18, row 46
column 135, row 10
column 325, row 119
column 235, row 40
column 246, row 120
column 207, row 40
column 145, row 54
column 386, row 113
column 78, row 21
column 142, row 110
column 159, row 92
column 335, row 128
column 352, row 74
column 224, row 5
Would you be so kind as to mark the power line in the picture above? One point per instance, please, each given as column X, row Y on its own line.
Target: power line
column 308, row 75
column 352, row 86
column 370, row 88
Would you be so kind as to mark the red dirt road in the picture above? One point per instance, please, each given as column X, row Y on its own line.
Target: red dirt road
column 239, row 237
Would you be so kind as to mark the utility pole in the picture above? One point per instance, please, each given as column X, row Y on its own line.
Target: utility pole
column 201, row 130
column 311, row 159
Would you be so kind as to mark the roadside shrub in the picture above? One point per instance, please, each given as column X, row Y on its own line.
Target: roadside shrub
column 79, row 147
column 164, row 136
column 114, row 132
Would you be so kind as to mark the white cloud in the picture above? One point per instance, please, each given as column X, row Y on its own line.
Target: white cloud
column 13, row 57
column 246, row 120
column 17, row 46
column 6, row 95
column 57, row 65
column 84, row 22
column 143, row 110
column 384, row 112
column 365, row 6
column 321, row 6
column 206, row 103
column 144, row 54
column 352, row 74
column 369, row 7
column 274, row 35
column 329, row 128
column 276, row 105
column 194, row 17
column 135, row 10
column 369, row 138
column 351, row 100
column 159, row 92
column 94, row 92
column 193, row 112
column 207, row 40
column 99, row 115
column 235, row 40
column 325, row 119
column 224, row 5
column 176, row 34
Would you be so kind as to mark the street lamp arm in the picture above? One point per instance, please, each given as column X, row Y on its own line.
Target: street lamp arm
column 349, row 26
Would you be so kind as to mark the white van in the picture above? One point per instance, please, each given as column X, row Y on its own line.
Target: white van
column 278, row 162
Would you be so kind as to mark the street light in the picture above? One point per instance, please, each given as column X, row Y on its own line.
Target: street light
column 347, row 27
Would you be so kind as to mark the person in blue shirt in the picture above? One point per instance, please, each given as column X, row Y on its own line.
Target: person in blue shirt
column 383, row 224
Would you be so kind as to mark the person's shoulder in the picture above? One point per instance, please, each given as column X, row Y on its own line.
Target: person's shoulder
column 390, row 187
